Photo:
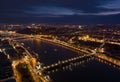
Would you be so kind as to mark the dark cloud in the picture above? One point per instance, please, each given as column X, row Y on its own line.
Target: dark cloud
column 60, row 11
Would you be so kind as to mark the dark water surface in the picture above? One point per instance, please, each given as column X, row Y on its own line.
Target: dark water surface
column 92, row 71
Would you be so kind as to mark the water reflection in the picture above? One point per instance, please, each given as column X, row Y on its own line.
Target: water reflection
column 108, row 61
column 85, row 71
column 71, row 66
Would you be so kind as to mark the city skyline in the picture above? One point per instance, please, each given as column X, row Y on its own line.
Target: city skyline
column 59, row 53
column 60, row 12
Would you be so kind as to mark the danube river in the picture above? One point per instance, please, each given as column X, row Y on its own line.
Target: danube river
column 92, row 71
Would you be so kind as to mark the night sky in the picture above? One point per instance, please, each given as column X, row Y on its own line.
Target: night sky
column 60, row 11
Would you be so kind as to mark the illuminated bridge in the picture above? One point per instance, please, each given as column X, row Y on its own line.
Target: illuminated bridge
column 67, row 62
column 69, row 66
column 89, row 54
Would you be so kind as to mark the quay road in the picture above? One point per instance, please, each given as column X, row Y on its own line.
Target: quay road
column 17, row 44
column 98, row 55
column 109, row 59
column 27, row 59
column 75, row 49
column 65, row 45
